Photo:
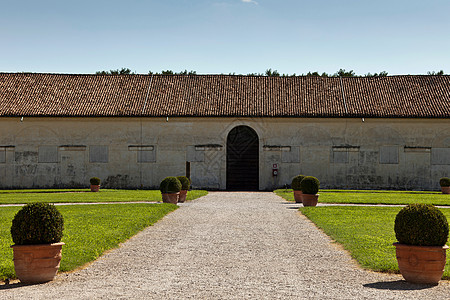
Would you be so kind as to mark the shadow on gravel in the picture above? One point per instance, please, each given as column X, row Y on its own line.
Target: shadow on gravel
column 11, row 286
column 398, row 285
column 293, row 207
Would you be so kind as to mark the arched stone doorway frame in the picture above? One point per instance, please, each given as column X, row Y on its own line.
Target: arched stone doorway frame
column 242, row 158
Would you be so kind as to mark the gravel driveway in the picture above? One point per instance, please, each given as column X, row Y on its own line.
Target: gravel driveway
column 228, row 246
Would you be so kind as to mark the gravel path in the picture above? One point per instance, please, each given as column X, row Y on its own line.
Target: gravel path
column 228, row 246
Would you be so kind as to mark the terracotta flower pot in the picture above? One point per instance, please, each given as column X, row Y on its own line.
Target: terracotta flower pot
column 421, row 264
column 183, row 194
column 445, row 189
column 37, row 263
column 95, row 188
column 298, row 196
column 310, row 200
column 170, row 198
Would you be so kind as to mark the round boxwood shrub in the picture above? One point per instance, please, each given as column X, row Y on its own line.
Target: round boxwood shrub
column 444, row 181
column 170, row 185
column 37, row 223
column 421, row 225
column 94, row 181
column 295, row 184
column 185, row 182
column 310, row 185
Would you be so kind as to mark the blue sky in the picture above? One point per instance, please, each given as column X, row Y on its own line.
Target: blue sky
column 225, row 36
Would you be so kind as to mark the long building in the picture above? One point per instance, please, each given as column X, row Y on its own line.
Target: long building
column 226, row 132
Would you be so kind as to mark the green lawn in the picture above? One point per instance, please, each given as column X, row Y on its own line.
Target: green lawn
column 77, row 196
column 89, row 230
column 42, row 191
column 374, row 197
column 366, row 232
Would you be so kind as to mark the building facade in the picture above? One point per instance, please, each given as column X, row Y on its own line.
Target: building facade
column 225, row 132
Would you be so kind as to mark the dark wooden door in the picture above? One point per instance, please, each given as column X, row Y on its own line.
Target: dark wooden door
column 242, row 159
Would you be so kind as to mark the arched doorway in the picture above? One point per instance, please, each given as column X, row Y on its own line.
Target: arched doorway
column 242, row 159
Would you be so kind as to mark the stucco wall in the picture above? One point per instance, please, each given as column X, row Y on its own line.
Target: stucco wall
column 342, row 153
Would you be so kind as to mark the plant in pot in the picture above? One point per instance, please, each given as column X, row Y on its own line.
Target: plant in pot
column 36, row 231
column 310, row 187
column 170, row 189
column 185, row 184
column 445, row 185
column 95, row 184
column 296, row 187
column 422, row 233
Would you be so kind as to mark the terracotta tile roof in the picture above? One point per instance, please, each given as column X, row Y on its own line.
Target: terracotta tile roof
column 34, row 94
column 71, row 95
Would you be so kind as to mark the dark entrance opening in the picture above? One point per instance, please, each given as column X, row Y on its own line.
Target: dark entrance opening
column 242, row 159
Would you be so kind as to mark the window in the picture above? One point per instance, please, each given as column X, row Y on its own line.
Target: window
column 197, row 153
column 340, row 157
column 290, row 154
column 440, row 156
column 146, row 156
column 145, row 153
column 98, row 154
column 341, row 153
column 389, row 155
column 48, row 154
column 2, row 154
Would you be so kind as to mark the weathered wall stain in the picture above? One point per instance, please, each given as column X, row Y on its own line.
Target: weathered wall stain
column 26, row 157
column 116, row 182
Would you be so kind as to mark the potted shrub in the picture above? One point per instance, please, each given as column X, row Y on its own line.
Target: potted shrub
column 422, row 233
column 95, row 184
column 445, row 185
column 310, row 187
column 185, row 184
column 170, row 189
column 295, row 184
column 36, row 231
